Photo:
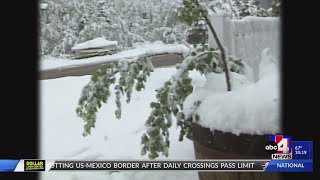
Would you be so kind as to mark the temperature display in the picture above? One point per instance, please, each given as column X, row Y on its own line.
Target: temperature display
column 302, row 149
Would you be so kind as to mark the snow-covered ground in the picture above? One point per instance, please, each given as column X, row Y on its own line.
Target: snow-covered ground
column 112, row 139
column 49, row 62
column 251, row 107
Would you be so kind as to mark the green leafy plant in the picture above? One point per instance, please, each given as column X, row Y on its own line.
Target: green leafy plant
column 133, row 74
column 169, row 98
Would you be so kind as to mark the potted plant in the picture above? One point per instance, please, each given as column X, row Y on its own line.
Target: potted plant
column 170, row 101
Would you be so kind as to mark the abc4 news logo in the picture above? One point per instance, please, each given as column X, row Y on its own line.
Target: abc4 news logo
column 279, row 147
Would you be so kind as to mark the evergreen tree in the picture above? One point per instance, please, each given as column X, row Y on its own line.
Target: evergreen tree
column 76, row 21
column 126, row 21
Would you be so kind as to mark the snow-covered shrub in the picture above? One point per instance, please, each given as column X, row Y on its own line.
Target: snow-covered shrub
column 171, row 96
column 170, row 99
column 242, row 8
column 132, row 75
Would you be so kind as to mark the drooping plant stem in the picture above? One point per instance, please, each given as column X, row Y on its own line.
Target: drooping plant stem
column 222, row 51
column 223, row 55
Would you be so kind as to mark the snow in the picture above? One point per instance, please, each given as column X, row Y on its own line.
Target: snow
column 268, row 63
column 255, row 18
column 49, row 62
column 43, row 6
column 246, row 38
column 237, row 81
column 250, row 108
column 61, row 130
column 94, row 43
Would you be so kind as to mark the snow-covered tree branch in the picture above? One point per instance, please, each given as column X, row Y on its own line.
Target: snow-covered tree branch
column 169, row 98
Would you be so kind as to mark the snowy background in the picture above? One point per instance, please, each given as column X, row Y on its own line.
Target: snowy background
column 129, row 22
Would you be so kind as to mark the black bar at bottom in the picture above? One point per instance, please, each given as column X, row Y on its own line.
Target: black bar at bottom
column 238, row 165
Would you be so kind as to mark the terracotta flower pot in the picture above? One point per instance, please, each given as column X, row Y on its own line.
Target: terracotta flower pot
column 220, row 145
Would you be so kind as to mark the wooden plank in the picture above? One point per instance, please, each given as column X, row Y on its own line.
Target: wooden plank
column 161, row 60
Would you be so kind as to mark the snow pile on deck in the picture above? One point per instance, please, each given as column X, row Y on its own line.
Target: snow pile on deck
column 161, row 48
column 250, row 108
column 95, row 43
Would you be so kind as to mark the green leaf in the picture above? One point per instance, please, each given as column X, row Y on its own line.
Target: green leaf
column 191, row 66
column 186, row 81
column 155, row 105
column 175, row 111
column 153, row 156
column 94, row 78
column 143, row 151
column 144, row 139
